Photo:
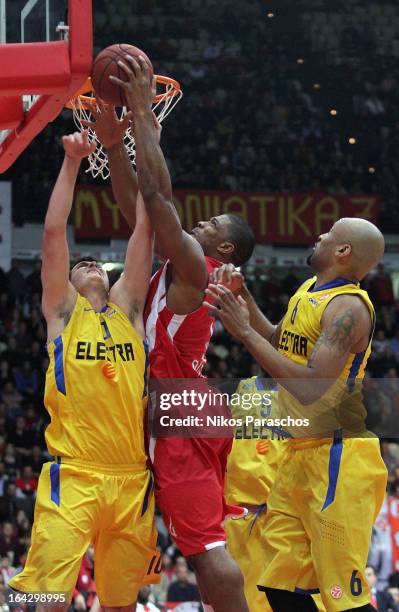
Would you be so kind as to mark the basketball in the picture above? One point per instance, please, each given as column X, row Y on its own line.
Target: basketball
column 106, row 64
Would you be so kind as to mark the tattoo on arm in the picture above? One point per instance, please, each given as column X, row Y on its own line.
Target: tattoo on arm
column 338, row 337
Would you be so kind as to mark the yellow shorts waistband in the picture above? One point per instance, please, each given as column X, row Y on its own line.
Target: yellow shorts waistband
column 107, row 468
column 302, row 443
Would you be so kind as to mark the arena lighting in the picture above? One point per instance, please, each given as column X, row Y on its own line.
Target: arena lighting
column 352, row 140
column 300, row 60
column 316, row 86
column 270, row 15
column 109, row 266
column 372, row 170
column 333, row 112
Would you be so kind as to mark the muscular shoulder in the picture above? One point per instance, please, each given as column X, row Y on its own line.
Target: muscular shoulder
column 347, row 318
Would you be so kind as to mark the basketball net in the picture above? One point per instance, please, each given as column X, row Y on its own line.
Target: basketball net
column 81, row 106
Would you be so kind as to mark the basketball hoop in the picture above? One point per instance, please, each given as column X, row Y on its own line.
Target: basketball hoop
column 84, row 101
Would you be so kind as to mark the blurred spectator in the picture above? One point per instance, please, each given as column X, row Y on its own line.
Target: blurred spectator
column 16, row 281
column 381, row 290
column 182, row 589
column 381, row 600
column 26, row 379
column 143, row 603
column 8, row 540
column 27, row 483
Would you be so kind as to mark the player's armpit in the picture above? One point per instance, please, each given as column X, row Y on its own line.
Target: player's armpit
column 346, row 326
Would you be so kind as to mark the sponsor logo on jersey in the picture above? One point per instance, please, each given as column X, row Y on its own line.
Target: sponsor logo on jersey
column 99, row 351
column 336, row 592
column 324, row 297
column 110, row 312
column 313, row 301
column 293, row 343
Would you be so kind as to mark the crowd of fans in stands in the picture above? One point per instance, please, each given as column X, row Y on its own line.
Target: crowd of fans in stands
column 259, row 93
column 23, row 364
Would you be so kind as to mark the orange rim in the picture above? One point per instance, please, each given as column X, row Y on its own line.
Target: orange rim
column 89, row 102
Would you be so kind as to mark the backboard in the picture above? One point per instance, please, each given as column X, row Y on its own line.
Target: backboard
column 31, row 20
column 46, row 49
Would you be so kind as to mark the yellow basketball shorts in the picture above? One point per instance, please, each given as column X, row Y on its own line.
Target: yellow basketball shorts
column 246, row 544
column 111, row 508
column 321, row 511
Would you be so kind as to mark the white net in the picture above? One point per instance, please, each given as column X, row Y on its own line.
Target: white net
column 98, row 161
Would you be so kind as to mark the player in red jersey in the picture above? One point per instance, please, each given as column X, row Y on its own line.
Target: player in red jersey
column 179, row 330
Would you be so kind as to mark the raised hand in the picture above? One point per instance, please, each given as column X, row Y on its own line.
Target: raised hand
column 139, row 83
column 232, row 311
column 77, row 145
column 228, row 276
column 109, row 128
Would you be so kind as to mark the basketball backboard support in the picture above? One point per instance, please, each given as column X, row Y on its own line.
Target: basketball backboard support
column 46, row 49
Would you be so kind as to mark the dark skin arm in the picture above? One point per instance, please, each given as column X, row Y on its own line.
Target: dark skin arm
column 189, row 273
column 229, row 277
column 110, row 131
column 345, row 329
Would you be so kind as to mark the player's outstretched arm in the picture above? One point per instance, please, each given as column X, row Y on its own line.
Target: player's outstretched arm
column 110, row 131
column 130, row 291
column 154, row 179
column 59, row 295
column 346, row 326
column 228, row 276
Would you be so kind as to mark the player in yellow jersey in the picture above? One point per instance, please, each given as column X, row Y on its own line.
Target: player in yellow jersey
column 98, row 488
column 330, row 486
column 251, row 469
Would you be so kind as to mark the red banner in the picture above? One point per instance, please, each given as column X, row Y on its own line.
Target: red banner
column 276, row 218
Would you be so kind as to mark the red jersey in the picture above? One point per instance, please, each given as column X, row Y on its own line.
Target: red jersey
column 177, row 343
column 185, row 468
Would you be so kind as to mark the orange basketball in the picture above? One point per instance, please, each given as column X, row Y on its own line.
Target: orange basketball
column 106, row 64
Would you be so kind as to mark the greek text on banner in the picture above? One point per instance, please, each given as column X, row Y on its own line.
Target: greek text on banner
column 276, row 218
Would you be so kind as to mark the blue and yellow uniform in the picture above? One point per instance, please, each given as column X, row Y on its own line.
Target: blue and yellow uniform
column 98, row 489
column 330, row 485
column 251, row 469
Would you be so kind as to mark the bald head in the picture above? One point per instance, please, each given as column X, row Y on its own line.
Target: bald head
column 366, row 242
column 351, row 248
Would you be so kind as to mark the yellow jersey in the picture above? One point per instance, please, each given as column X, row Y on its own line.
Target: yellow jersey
column 257, row 447
column 341, row 408
column 96, row 388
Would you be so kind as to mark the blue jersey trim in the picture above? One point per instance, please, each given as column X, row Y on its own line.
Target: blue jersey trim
column 333, row 470
column 59, row 365
column 354, row 370
column 306, row 591
column 55, row 483
column 259, row 384
column 106, row 332
column 104, row 308
column 147, row 363
column 337, row 282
